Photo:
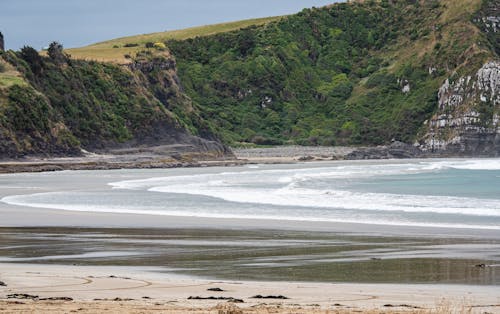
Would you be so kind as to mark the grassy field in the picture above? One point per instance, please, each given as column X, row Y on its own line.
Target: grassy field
column 114, row 50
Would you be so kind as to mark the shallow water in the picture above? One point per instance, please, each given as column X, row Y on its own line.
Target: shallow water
column 415, row 221
column 435, row 193
column 261, row 255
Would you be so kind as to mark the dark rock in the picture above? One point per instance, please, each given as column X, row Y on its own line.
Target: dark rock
column 3, row 284
column 215, row 289
column 2, row 43
column 480, row 265
column 397, row 150
column 306, row 158
column 269, row 297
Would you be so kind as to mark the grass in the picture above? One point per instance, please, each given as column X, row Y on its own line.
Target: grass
column 104, row 51
column 9, row 76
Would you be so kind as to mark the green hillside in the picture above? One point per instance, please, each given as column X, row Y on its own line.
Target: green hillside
column 114, row 50
column 352, row 73
column 356, row 73
column 56, row 106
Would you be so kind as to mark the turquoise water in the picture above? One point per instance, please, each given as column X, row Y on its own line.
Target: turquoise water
column 432, row 193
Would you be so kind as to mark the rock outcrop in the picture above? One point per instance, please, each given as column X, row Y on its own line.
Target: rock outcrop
column 467, row 120
column 2, row 43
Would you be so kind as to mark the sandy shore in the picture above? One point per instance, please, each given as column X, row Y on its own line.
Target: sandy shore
column 139, row 290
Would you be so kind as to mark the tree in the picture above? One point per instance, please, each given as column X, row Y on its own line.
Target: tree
column 56, row 53
column 31, row 56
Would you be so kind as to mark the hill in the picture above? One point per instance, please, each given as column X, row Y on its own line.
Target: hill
column 360, row 73
column 56, row 106
column 353, row 73
column 115, row 50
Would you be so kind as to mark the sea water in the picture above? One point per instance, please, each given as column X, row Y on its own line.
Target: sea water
column 446, row 193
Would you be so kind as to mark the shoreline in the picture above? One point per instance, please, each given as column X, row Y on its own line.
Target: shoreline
column 151, row 159
column 131, row 289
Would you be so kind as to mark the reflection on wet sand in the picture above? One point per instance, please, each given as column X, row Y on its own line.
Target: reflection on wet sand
column 262, row 255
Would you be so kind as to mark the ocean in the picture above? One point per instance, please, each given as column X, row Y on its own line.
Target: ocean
column 423, row 193
column 397, row 221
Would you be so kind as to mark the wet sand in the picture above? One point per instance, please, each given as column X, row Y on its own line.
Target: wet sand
column 131, row 289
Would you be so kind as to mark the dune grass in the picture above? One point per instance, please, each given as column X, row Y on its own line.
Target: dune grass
column 114, row 50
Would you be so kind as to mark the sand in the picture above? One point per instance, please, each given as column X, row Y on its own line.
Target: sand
column 127, row 289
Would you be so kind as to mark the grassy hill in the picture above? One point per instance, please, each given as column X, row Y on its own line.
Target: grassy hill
column 114, row 50
column 353, row 73
column 356, row 73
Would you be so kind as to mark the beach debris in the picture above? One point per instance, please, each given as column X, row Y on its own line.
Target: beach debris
column 480, row 265
column 120, row 299
column 115, row 299
column 375, row 259
column 3, row 284
column 23, row 296
column 56, row 299
column 402, row 305
column 229, row 299
column 258, row 296
column 215, row 289
column 147, row 298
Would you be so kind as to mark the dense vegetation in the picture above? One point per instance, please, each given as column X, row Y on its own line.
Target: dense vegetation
column 362, row 72
column 59, row 105
column 351, row 73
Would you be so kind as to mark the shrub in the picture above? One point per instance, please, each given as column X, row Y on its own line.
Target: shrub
column 149, row 44
column 128, row 45
column 159, row 46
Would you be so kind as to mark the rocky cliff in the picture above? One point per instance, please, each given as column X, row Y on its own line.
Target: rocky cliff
column 56, row 106
column 467, row 119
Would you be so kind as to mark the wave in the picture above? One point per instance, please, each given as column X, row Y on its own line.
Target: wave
column 338, row 199
column 321, row 187
column 28, row 201
column 313, row 192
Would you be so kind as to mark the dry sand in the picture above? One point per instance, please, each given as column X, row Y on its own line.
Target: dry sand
column 132, row 290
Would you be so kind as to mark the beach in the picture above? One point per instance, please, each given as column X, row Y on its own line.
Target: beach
column 147, row 240
column 94, row 289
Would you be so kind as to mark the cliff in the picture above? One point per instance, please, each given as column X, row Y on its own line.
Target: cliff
column 56, row 106
column 466, row 121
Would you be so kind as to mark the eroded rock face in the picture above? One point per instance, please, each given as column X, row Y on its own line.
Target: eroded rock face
column 467, row 120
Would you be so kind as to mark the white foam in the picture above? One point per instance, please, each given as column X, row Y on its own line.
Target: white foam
column 310, row 193
column 20, row 200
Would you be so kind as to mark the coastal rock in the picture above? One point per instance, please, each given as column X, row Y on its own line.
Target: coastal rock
column 395, row 150
column 467, row 120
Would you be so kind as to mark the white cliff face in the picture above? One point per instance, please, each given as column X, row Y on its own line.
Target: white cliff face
column 469, row 110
